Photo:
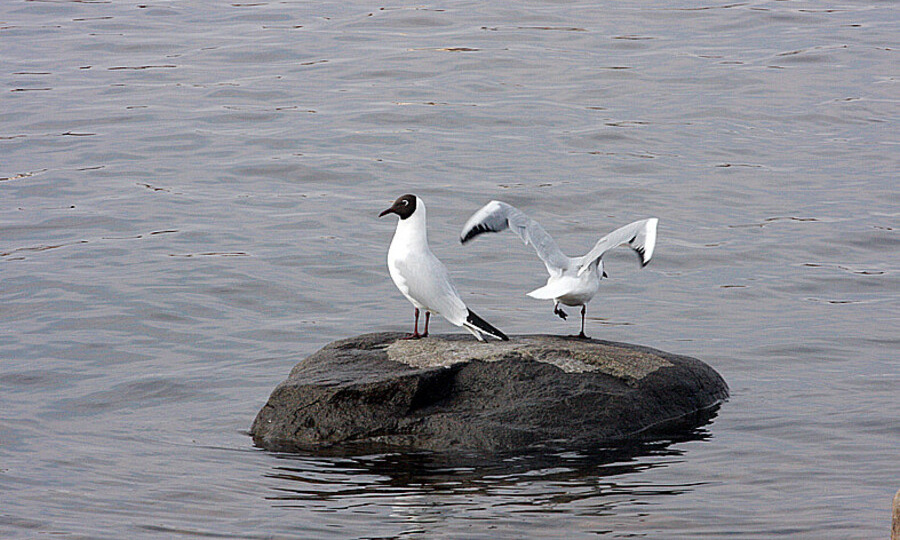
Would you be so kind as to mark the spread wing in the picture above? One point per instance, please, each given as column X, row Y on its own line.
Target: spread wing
column 496, row 216
column 639, row 236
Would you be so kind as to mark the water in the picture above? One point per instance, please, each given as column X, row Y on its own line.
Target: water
column 188, row 201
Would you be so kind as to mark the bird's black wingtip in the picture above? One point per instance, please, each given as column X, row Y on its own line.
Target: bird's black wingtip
column 642, row 254
column 485, row 326
column 473, row 232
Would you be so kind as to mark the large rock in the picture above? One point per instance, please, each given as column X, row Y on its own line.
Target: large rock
column 454, row 393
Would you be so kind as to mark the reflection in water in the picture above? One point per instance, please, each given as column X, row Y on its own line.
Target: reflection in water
column 540, row 480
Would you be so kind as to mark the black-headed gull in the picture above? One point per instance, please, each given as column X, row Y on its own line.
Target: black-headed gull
column 573, row 281
column 422, row 278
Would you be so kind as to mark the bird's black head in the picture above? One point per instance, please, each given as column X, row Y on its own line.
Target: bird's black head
column 403, row 207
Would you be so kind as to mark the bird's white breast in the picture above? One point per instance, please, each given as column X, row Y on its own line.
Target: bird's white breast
column 401, row 263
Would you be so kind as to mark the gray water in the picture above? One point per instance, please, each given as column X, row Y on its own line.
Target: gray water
column 188, row 202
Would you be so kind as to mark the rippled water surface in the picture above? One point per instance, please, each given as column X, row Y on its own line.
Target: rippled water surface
column 188, row 201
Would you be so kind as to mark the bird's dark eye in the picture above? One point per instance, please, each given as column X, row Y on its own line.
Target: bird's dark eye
column 405, row 202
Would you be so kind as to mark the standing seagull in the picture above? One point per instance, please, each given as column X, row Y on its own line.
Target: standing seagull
column 422, row 278
column 573, row 281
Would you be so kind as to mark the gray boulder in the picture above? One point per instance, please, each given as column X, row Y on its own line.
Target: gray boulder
column 446, row 393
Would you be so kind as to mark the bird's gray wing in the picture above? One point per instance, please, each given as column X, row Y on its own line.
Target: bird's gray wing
column 427, row 281
column 640, row 236
column 496, row 216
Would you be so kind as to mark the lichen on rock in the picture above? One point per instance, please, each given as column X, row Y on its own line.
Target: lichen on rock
column 570, row 355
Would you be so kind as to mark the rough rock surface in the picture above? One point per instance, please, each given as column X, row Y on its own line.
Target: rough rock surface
column 454, row 393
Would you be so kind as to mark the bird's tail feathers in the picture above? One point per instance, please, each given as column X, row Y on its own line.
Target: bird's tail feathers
column 474, row 331
column 548, row 292
column 476, row 325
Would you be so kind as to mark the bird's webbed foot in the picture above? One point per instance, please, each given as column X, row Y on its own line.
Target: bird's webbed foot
column 558, row 311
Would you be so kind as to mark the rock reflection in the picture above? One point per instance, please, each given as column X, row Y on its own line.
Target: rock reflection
column 540, row 478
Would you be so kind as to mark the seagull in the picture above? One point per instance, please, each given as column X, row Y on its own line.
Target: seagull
column 573, row 281
column 422, row 278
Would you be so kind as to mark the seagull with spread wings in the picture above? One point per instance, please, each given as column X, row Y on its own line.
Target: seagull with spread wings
column 573, row 281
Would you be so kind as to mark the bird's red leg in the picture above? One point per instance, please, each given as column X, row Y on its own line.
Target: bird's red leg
column 427, row 317
column 415, row 334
